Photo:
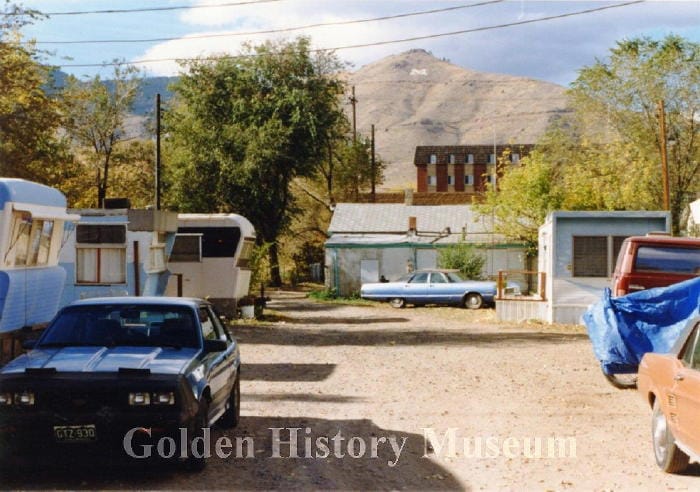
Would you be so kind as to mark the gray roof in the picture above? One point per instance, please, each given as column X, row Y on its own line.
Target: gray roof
column 372, row 219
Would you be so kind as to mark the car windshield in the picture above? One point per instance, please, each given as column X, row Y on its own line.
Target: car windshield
column 454, row 277
column 122, row 325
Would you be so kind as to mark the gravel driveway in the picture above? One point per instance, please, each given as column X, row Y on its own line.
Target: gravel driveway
column 427, row 398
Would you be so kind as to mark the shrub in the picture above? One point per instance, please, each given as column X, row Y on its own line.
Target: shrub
column 463, row 257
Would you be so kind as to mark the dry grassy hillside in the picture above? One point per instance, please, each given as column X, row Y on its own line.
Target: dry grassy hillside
column 416, row 99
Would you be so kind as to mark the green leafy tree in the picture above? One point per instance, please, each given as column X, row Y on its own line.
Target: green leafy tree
column 95, row 118
column 342, row 174
column 243, row 128
column 623, row 93
column 605, row 154
column 29, row 117
column 132, row 176
column 355, row 173
column 527, row 193
column 464, row 257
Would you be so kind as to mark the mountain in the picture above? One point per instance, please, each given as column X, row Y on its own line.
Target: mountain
column 145, row 103
column 416, row 99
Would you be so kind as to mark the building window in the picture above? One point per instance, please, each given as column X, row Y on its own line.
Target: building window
column 432, row 180
column 469, row 159
column 492, row 158
column 469, row 179
column 451, row 159
column 100, row 254
column 514, row 158
column 594, row 256
column 433, row 159
column 187, row 248
column 450, row 180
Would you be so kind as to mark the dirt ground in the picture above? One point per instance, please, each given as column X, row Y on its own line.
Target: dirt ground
column 420, row 379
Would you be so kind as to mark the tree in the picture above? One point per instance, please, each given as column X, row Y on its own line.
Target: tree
column 132, row 175
column 95, row 118
column 243, row 128
column 624, row 92
column 526, row 194
column 463, row 257
column 342, row 174
column 605, row 155
column 29, row 116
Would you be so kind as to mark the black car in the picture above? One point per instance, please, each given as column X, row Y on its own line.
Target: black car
column 125, row 376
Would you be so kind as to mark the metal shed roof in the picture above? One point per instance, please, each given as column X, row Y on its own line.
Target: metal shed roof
column 392, row 218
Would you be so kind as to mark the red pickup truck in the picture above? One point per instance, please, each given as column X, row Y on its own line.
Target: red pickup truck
column 655, row 261
column 670, row 383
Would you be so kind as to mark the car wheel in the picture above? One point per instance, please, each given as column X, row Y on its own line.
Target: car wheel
column 233, row 415
column 622, row 381
column 397, row 302
column 473, row 301
column 197, row 463
column 668, row 456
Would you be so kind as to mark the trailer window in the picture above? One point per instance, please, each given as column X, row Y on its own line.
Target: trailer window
column 187, row 248
column 100, row 254
column 246, row 253
column 217, row 242
column 21, row 228
column 100, row 234
column 40, row 242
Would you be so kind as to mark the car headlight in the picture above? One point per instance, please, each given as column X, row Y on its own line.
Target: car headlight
column 139, row 398
column 5, row 399
column 164, row 398
column 25, row 398
column 143, row 398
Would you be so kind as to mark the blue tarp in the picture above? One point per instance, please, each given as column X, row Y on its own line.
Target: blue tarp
column 623, row 329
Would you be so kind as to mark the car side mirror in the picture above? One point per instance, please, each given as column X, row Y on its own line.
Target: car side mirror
column 215, row 346
column 29, row 344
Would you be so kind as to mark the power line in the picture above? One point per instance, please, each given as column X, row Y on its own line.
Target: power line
column 147, row 9
column 274, row 31
column 368, row 45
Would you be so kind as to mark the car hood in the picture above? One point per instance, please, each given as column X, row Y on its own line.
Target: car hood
column 104, row 359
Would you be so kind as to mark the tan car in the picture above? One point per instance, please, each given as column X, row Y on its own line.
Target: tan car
column 671, row 385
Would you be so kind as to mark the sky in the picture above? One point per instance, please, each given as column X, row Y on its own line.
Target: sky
column 552, row 50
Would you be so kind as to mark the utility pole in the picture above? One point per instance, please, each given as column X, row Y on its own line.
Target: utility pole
column 664, row 154
column 353, row 101
column 495, row 161
column 157, row 151
column 374, row 169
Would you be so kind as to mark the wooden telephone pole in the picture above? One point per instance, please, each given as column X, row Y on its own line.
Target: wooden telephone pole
column 353, row 101
column 158, row 152
column 664, row 154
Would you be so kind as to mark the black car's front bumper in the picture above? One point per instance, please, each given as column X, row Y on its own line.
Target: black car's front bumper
column 99, row 404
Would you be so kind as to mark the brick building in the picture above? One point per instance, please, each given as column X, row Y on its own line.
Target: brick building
column 461, row 168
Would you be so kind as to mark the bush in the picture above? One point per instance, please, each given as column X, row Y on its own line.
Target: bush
column 463, row 257
column 324, row 295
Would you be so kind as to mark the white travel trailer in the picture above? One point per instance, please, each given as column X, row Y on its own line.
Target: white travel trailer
column 210, row 259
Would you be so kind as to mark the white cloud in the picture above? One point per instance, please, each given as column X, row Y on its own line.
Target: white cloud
column 551, row 50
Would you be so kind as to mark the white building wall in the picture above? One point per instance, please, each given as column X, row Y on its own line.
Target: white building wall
column 343, row 265
column 568, row 297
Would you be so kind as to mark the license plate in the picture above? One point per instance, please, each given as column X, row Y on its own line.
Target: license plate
column 74, row 433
